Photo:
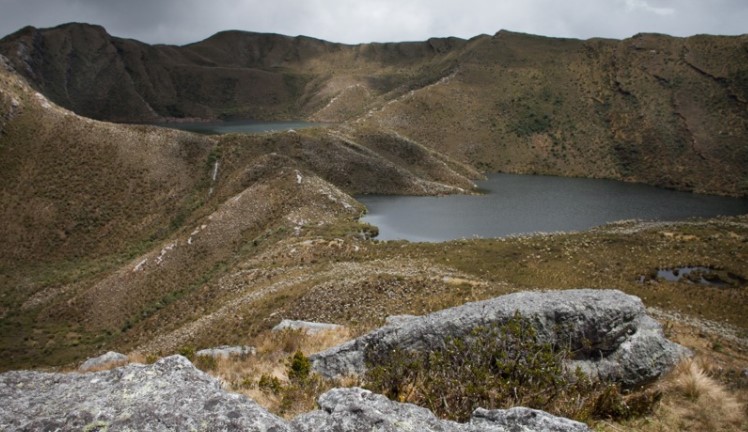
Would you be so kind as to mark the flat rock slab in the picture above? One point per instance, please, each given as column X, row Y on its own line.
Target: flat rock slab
column 307, row 326
column 608, row 331
column 225, row 351
column 108, row 360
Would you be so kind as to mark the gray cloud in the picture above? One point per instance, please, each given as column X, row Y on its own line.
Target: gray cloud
column 354, row 21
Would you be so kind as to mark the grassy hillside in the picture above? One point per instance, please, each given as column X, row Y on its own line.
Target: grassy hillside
column 107, row 225
column 642, row 109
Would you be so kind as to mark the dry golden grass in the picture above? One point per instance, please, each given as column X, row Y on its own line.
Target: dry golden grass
column 692, row 401
column 701, row 403
column 264, row 377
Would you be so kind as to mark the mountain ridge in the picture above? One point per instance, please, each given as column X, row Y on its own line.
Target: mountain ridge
column 510, row 102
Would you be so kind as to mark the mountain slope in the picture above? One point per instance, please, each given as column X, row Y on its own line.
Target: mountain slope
column 655, row 109
column 110, row 228
column 638, row 110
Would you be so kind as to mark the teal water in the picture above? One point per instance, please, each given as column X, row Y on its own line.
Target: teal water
column 518, row 204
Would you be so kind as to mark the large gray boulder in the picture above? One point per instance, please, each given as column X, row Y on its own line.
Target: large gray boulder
column 168, row 395
column 521, row 419
column 608, row 331
column 358, row 410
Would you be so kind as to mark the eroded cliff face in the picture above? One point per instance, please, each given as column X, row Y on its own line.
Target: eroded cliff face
column 653, row 108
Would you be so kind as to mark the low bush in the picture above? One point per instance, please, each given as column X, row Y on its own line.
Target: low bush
column 497, row 367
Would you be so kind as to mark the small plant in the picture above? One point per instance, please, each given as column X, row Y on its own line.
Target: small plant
column 187, row 351
column 299, row 367
column 270, row 384
column 206, row 363
column 247, row 382
column 612, row 403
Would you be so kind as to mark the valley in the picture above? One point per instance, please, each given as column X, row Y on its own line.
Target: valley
column 153, row 241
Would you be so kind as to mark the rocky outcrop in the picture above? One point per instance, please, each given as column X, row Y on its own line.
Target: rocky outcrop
column 166, row 396
column 108, row 360
column 305, row 326
column 225, row 351
column 608, row 332
column 173, row 395
column 355, row 409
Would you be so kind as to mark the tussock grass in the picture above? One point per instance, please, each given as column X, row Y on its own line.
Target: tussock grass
column 692, row 401
column 700, row 402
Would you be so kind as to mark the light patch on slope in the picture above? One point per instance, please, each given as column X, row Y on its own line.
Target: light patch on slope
column 42, row 100
column 164, row 252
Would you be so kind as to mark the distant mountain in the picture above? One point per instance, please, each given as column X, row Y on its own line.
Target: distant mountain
column 231, row 74
column 656, row 109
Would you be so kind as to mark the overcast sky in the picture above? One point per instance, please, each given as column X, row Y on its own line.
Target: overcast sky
column 356, row 21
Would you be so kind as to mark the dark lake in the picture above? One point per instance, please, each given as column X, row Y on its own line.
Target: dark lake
column 523, row 204
column 239, row 126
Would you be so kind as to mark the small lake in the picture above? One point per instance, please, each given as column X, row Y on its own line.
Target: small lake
column 238, row 126
column 523, row 204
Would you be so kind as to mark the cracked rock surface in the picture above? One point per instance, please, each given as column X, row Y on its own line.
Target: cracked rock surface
column 168, row 395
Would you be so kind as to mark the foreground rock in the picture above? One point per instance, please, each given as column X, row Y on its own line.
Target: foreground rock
column 355, row 409
column 608, row 331
column 172, row 395
column 104, row 361
column 168, row 395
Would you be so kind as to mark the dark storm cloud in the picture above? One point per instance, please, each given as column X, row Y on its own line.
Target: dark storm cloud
column 352, row 21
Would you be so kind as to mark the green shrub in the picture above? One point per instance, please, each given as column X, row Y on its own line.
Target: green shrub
column 270, row 384
column 494, row 367
column 188, row 351
column 299, row 367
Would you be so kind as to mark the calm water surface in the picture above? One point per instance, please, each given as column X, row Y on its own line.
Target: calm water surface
column 243, row 126
column 519, row 204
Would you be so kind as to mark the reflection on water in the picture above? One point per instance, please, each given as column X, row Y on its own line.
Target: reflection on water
column 521, row 204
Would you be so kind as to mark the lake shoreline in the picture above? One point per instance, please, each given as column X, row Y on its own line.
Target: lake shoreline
column 524, row 204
